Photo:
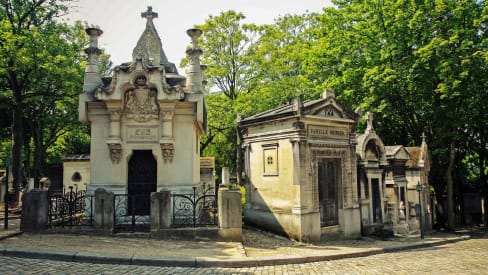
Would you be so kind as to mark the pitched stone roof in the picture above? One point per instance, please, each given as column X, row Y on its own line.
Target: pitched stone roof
column 305, row 108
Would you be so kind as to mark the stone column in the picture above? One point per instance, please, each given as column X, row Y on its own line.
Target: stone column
column 166, row 140
column 35, row 206
column 115, row 125
column 230, row 214
column 104, row 210
column 160, row 210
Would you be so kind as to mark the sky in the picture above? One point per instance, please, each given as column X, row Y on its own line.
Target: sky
column 122, row 25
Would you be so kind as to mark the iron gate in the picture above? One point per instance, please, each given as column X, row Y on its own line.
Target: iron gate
column 72, row 208
column 127, row 217
column 198, row 208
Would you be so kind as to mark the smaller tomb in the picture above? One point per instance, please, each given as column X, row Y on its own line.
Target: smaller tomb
column 76, row 172
column 387, row 182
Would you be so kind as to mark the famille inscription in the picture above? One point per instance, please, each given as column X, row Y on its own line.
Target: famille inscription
column 325, row 131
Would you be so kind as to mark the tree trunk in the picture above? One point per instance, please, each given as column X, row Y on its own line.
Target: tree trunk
column 17, row 143
column 450, row 185
column 37, row 135
column 483, row 179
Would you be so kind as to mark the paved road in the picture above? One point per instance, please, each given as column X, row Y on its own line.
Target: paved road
column 466, row 257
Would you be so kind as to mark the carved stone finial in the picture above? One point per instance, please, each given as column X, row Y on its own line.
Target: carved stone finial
column 328, row 93
column 194, row 71
column 149, row 14
column 93, row 33
column 194, row 34
column 297, row 106
column 369, row 121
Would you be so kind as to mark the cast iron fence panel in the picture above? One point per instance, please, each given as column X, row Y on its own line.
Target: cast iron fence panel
column 73, row 208
column 198, row 208
column 126, row 216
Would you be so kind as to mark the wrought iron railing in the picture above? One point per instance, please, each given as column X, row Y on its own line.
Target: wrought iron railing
column 132, row 213
column 72, row 208
column 196, row 208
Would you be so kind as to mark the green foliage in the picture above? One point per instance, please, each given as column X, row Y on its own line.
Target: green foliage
column 243, row 192
column 419, row 66
column 41, row 74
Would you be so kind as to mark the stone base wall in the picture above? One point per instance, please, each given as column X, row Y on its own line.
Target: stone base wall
column 305, row 227
column 301, row 227
column 36, row 206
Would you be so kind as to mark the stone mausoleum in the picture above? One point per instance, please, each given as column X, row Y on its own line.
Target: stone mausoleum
column 310, row 177
column 300, row 163
column 146, row 119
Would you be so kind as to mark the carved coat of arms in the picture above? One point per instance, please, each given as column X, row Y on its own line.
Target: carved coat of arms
column 141, row 103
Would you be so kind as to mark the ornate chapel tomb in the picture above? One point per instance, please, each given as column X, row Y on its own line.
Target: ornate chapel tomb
column 146, row 119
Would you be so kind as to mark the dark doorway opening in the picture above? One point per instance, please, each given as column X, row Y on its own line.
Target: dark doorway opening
column 141, row 182
column 375, row 186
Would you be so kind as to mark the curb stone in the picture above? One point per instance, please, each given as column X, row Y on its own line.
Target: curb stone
column 212, row 262
column 10, row 235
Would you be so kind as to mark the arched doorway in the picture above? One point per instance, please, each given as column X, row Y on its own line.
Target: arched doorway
column 141, row 182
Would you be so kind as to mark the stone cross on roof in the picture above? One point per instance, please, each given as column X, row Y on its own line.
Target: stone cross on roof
column 149, row 14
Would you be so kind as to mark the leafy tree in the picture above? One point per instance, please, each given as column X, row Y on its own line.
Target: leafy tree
column 41, row 74
column 225, row 42
column 279, row 59
column 415, row 63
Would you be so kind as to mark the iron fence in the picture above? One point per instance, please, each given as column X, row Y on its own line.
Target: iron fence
column 194, row 209
column 132, row 213
column 72, row 208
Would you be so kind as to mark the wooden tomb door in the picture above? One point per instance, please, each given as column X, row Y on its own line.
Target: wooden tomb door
column 328, row 195
column 141, row 182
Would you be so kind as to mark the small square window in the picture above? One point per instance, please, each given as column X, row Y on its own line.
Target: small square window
column 270, row 158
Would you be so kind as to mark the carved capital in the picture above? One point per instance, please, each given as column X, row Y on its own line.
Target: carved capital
column 168, row 151
column 115, row 152
column 167, row 114
column 115, row 115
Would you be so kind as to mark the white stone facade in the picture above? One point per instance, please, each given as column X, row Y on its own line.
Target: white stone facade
column 144, row 111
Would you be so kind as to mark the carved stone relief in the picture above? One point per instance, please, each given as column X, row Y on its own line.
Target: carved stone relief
column 141, row 103
column 115, row 152
column 168, row 151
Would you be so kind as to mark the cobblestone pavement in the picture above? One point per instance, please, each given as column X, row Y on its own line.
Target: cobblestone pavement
column 466, row 257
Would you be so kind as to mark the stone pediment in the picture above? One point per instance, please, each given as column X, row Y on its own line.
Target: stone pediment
column 327, row 107
column 397, row 152
column 328, row 110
